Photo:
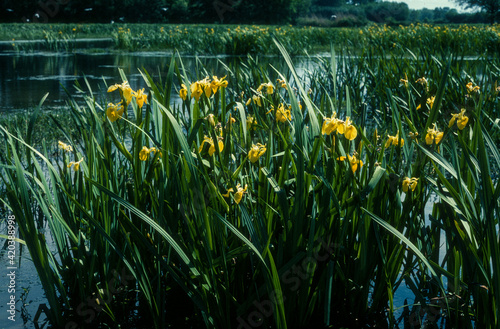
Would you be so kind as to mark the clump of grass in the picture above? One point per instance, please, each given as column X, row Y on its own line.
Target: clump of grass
column 265, row 192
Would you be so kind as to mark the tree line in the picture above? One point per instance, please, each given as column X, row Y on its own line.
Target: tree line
column 306, row 12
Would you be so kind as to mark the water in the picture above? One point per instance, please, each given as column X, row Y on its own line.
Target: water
column 19, row 279
column 26, row 78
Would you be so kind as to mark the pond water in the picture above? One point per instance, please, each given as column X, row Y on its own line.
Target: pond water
column 26, row 78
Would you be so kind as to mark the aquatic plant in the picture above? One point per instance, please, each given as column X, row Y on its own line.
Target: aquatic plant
column 269, row 198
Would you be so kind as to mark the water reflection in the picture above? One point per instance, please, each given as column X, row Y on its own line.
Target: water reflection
column 25, row 79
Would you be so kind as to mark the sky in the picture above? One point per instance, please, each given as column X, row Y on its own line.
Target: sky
column 430, row 4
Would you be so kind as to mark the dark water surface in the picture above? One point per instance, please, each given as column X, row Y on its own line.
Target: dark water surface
column 26, row 78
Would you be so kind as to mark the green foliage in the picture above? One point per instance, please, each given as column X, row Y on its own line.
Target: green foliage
column 491, row 7
column 358, row 177
column 385, row 12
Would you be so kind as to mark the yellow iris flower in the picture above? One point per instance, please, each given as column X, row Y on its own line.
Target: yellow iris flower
column 283, row 115
column 269, row 87
column 409, row 183
column 125, row 90
column 256, row 152
column 430, row 101
column 281, row 83
column 347, row 129
column 140, row 97
column 144, row 153
column 460, row 118
column 433, row 135
column 353, row 161
column 211, row 149
column 330, row 125
column 472, row 89
column 183, row 92
column 76, row 165
column 394, row 140
column 257, row 100
column 114, row 111
column 196, row 90
column 216, row 83
column 65, row 147
column 422, row 81
column 239, row 193
column 251, row 123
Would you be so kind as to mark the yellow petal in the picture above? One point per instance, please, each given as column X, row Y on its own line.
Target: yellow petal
column 439, row 136
column 462, row 122
column 183, row 92
column 406, row 183
column 452, row 121
column 351, row 132
column 227, row 193
column 388, row 142
column 341, row 127
column 143, row 154
column 221, row 146
column 429, row 138
column 113, row 88
column 127, row 94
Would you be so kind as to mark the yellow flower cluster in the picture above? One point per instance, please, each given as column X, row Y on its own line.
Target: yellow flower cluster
column 269, row 88
column 205, row 86
column 433, row 135
column 346, row 128
column 282, row 114
column 115, row 111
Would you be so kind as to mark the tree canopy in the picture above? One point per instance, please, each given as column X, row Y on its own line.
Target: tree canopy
column 491, row 7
